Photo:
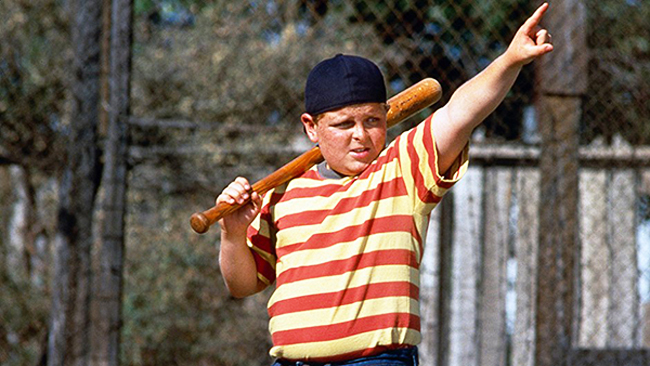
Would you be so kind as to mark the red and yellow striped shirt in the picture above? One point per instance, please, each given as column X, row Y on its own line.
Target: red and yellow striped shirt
column 345, row 253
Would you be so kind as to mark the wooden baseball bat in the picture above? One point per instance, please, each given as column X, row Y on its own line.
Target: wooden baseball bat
column 403, row 105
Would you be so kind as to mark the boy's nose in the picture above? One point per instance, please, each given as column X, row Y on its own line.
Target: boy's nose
column 359, row 132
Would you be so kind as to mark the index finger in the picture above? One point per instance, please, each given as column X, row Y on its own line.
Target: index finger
column 244, row 182
column 534, row 19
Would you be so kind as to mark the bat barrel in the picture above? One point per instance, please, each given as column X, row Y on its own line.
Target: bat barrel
column 412, row 100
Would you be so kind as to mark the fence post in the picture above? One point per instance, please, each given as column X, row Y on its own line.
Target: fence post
column 67, row 342
column 108, row 293
column 562, row 76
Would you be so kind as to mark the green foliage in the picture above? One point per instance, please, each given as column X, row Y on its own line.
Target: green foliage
column 34, row 52
column 240, row 69
column 32, row 81
column 145, row 7
column 23, row 318
column 176, row 308
column 619, row 70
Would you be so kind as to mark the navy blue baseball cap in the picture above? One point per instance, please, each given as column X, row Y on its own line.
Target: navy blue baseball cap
column 341, row 81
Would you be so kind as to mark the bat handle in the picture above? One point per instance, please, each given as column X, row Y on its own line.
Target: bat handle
column 201, row 221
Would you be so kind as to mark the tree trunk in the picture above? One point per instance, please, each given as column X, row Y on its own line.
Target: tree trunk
column 108, row 293
column 68, row 341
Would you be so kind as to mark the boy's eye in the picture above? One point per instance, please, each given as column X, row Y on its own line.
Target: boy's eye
column 372, row 121
column 346, row 124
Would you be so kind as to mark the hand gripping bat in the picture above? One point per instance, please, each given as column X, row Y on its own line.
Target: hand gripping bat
column 403, row 105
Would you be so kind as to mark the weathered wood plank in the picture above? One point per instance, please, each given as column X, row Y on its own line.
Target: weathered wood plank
column 463, row 334
column 623, row 321
column 594, row 261
column 526, row 245
column 492, row 301
column 429, row 293
column 644, row 263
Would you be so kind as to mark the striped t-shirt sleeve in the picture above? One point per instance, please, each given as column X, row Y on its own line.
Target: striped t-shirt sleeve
column 262, row 243
column 419, row 164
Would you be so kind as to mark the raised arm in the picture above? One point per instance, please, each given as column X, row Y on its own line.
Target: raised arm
column 480, row 96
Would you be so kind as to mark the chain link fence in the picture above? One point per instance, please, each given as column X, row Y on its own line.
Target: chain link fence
column 217, row 92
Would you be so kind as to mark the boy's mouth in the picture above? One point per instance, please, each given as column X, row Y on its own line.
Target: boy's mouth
column 360, row 153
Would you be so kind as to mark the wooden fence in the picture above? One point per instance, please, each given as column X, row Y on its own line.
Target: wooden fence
column 479, row 271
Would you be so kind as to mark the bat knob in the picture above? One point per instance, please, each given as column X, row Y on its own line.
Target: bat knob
column 199, row 223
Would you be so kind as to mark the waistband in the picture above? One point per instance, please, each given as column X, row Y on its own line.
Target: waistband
column 408, row 353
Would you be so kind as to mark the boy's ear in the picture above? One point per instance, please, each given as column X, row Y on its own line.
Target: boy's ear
column 309, row 124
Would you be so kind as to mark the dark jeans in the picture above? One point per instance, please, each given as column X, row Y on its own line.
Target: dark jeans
column 400, row 357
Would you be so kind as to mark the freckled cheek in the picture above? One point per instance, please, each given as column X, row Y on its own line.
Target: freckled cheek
column 338, row 140
column 379, row 141
column 335, row 146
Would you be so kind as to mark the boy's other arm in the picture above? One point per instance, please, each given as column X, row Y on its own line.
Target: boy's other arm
column 235, row 258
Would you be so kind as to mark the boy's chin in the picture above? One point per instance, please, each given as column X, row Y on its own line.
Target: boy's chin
column 355, row 169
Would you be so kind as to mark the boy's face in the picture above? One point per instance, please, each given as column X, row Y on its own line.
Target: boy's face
column 350, row 138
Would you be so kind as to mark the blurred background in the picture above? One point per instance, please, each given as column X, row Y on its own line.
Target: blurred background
column 119, row 119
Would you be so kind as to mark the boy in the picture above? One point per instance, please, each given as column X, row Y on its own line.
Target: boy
column 343, row 241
